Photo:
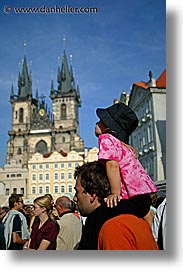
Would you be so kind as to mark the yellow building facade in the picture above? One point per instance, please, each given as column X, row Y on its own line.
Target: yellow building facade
column 54, row 173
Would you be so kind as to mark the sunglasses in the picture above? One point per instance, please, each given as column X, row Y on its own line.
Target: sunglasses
column 21, row 201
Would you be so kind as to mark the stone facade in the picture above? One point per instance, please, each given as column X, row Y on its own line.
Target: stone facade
column 35, row 128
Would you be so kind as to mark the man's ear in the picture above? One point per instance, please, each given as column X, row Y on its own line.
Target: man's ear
column 93, row 197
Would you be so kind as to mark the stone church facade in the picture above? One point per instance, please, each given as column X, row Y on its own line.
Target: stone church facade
column 35, row 128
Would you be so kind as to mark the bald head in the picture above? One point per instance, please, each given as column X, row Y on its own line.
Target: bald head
column 63, row 200
column 64, row 204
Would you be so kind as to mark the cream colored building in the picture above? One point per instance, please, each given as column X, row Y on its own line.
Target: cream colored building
column 54, row 173
column 91, row 154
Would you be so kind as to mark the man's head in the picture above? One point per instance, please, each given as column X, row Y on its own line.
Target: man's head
column 63, row 204
column 3, row 211
column 16, row 201
column 92, row 186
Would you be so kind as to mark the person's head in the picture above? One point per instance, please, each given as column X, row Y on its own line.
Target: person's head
column 118, row 119
column 101, row 128
column 42, row 205
column 63, row 204
column 3, row 211
column 16, row 201
column 51, row 198
column 92, row 186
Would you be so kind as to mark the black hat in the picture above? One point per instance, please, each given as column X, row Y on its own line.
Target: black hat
column 120, row 119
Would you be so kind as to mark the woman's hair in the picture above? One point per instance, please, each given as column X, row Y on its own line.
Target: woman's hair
column 44, row 201
column 49, row 196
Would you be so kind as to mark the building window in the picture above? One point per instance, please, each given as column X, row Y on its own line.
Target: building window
column 40, row 190
column 62, row 188
column 69, row 176
column 47, row 166
column 7, row 192
column 56, row 176
column 69, row 165
column 56, row 189
column 40, row 177
column 76, row 164
column 41, row 147
column 150, row 135
column 33, row 190
column 55, row 165
column 47, row 189
column 62, row 165
column 47, row 176
column 70, row 188
column 14, row 190
column 22, row 190
column 40, row 166
column 63, row 111
column 19, row 152
column 21, row 115
column 19, row 175
column 33, row 167
column 62, row 175
column 33, row 177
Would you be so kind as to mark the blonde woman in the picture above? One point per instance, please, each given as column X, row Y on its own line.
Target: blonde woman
column 44, row 231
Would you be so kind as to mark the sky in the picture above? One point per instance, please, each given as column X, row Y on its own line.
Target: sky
column 111, row 50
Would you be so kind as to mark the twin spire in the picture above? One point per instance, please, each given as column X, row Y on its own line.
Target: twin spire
column 65, row 79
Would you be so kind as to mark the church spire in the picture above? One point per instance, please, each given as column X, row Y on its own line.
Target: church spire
column 12, row 94
column 25, row 79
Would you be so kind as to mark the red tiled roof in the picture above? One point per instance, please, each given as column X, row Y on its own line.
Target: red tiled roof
column 161, row 81
column 47, row 155
column 142, row 84
column 64, row 154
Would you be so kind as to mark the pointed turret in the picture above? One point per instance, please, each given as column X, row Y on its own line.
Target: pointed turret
column 25, row 82
column 12, row 94
column 64, row 77
column 71, row 70
column 52, row 90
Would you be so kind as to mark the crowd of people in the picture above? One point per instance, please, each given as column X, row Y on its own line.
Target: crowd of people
column 114, row 206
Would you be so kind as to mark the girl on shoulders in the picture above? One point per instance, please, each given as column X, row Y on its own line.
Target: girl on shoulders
column 128, row 180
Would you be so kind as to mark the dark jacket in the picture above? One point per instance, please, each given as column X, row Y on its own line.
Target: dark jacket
column 138, row 206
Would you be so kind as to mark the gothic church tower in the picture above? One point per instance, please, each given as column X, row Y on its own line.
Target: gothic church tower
column 65, row 104
column 34, row 127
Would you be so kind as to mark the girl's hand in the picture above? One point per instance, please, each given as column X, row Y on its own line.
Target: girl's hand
column 112, row 199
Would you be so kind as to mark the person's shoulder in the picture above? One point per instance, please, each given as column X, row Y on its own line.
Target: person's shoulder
column 107, row 138
column 52, row 223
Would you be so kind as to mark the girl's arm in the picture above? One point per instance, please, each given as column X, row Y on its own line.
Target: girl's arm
column 43, row 245
column 113, row 173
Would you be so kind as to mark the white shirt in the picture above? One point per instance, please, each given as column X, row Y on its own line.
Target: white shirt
column 160, row 215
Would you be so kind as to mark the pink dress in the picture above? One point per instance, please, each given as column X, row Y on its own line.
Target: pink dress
column 133, row 176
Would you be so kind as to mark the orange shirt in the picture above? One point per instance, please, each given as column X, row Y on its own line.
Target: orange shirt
column 126, row 232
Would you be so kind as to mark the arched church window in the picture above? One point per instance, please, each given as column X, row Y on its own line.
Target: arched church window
column 19, row 152
column 41, row 147
column 21, row 115
column 63, row 110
